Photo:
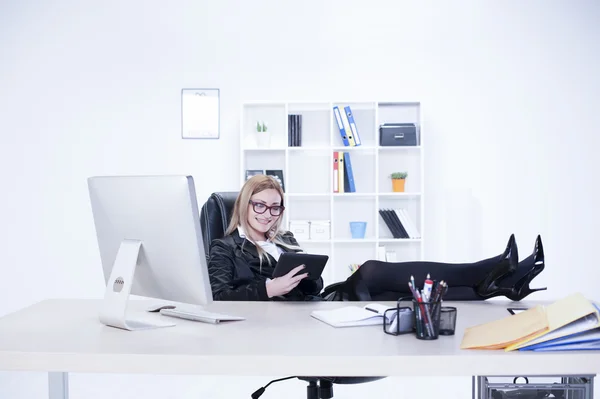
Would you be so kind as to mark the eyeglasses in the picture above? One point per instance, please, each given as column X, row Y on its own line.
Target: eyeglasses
column 261, row 208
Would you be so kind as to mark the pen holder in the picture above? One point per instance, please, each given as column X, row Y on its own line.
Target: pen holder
column 398, row 320
column 447, row 320
column 427, row 319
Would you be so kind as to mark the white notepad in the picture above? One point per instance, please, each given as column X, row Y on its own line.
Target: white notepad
column 353, row 316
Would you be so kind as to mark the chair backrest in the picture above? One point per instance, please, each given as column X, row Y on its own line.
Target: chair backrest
column 215, row 216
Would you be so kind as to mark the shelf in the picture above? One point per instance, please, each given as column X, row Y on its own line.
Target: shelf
column 258, row 149
column 406, row 195
column 308, row 174
column 398, row 240
column 353, row 195
column 400, row 148
column 299, row 195
column 355, row 148
column 311, row 148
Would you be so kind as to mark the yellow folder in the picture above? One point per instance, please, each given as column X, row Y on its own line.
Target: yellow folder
column 499, row 334
column 570, row 315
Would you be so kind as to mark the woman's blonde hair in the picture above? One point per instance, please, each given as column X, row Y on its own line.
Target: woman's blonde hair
column 239, row 217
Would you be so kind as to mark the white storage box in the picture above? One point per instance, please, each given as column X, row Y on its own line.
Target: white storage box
column 320, row 230
column 300, row 229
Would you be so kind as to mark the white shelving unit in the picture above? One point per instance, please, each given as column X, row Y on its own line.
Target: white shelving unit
column 308, row 175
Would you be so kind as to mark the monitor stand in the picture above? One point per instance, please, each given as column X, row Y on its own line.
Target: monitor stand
column 114, row 308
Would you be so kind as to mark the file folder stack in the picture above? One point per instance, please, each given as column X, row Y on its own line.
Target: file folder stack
column 571, row 323
column 347, row 126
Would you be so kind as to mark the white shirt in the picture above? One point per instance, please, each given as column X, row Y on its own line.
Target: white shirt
column 267, row 246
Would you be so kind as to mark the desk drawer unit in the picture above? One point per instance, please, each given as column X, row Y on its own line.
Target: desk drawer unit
column 542, row 386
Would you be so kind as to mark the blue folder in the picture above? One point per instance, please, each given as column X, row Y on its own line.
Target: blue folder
column 586, row 340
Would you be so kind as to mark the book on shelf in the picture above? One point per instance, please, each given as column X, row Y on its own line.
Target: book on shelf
column 399, row 222
column 294, row 130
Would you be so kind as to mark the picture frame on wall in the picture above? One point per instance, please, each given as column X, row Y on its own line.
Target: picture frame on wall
column 200, row 113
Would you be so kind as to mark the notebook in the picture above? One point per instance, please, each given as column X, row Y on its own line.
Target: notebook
column 353, row 316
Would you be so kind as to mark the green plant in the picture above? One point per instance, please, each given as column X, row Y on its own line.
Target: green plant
column 261, row 126
column 399, row 175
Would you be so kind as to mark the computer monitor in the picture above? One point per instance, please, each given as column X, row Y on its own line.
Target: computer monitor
column 150, row 241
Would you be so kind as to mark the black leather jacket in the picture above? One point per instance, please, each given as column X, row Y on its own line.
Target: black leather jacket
column 236, row 275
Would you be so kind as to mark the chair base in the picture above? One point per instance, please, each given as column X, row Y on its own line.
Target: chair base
column 324, row 390
column 322, row 387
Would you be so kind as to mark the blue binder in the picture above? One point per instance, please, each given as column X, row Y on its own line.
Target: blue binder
column 586, row 340
column 352, row 125
column 349, row 174
column 338, row 118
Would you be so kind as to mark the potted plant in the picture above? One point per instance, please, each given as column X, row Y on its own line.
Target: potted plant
column 398, row 180
column 263, row 139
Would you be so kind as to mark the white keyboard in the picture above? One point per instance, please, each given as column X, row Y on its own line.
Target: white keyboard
column 200, row 315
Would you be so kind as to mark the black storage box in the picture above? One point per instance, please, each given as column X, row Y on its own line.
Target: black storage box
column 398, row 134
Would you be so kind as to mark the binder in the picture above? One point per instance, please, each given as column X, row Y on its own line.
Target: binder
column 347, row 129
column 336, row 178
column 398, row 223
column 340, row 157
column 340, row 124
column 349, row 181
column 353, row 127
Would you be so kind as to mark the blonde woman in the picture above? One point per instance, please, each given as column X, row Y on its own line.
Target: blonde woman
column 241, row 263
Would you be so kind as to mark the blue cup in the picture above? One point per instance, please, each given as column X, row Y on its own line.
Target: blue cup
column 358, row 229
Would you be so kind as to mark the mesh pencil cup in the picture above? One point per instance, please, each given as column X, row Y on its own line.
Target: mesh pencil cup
column 427, row 319
column 447, row 320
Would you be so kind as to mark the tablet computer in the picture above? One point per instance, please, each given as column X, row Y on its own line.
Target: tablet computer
column 314, row 264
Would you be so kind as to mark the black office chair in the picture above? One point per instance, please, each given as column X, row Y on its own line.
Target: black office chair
column 214, row 219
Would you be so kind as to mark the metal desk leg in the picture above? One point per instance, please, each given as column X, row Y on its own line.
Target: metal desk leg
column 58, row 385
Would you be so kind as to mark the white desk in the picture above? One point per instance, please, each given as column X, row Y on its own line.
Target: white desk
column 61, row 336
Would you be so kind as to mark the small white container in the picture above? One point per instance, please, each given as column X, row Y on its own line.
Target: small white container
column 300, row 229
column 320, row 230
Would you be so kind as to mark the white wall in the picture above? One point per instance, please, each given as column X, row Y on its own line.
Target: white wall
column 510, row 91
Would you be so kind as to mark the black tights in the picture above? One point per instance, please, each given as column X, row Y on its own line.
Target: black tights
column 389, row 281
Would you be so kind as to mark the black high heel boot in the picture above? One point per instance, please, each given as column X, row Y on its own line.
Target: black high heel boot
column 536, row 261
column 507, row 265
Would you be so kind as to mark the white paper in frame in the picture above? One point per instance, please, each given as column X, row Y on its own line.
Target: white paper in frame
column 200, row 113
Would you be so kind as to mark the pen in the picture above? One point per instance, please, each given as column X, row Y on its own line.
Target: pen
column 427, row 286
column 426, row 316
column 418, row 315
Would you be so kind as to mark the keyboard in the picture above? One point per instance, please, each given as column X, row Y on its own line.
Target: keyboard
column 200, row 315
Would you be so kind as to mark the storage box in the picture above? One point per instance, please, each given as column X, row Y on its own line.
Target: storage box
column 300, row 229
column 398, row 134
column 320, row 230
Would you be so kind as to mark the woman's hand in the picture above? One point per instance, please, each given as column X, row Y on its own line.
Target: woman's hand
column 284, row 284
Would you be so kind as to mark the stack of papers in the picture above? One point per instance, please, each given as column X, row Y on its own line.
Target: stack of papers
column 352, row 316
column 571, row 323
